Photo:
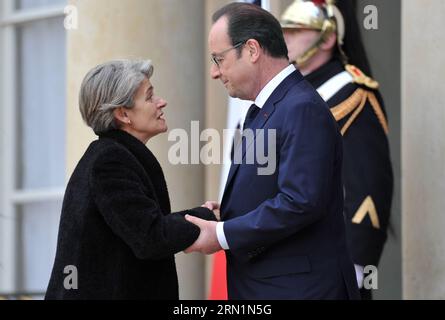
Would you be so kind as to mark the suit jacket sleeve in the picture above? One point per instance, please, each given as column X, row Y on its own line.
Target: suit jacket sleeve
column 131, row 211
column 308, row 151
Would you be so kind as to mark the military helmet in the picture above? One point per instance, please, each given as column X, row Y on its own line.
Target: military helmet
column 320, row 15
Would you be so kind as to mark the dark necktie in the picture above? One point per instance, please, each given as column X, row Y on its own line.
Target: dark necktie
column 250, row 116
column 236, row 140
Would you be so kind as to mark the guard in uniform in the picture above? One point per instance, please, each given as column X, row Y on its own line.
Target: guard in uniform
column 324, row 43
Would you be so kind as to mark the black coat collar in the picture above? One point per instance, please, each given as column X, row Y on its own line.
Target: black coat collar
column 148, row 162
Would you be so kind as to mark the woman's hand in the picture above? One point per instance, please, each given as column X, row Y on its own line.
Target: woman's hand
column 214, row 206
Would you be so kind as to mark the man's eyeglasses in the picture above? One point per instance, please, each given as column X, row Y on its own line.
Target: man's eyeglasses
column 219, row 57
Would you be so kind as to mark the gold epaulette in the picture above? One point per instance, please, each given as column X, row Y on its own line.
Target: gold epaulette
column 355, row 104
column 360, row 78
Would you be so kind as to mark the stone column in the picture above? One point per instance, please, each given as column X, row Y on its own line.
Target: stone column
column 423, row 149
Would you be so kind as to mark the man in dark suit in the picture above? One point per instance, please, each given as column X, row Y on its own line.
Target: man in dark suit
column 283, row 231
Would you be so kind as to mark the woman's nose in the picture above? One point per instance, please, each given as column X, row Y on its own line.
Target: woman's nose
column 162, row 103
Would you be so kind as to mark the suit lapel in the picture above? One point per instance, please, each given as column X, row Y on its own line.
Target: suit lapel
column 262, row 118
column 258, row 123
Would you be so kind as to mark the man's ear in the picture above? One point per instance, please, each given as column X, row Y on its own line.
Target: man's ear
column 120, row 114
column 254, row 49
column 329, row 43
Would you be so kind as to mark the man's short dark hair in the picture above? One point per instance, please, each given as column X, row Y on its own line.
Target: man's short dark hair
column 247, row 21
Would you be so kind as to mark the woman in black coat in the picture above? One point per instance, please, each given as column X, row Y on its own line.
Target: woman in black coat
column 117, row 235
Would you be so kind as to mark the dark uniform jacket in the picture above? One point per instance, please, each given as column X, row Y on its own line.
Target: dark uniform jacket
column 116, row 227
column 367, row 170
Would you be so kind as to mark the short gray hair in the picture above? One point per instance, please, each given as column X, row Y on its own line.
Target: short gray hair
column 109, row 86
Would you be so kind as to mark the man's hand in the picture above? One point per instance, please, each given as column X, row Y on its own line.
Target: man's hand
column 214, row 206
column 211, row 205
column 207, row 242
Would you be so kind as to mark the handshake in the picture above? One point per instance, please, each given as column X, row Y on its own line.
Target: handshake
column 207, row 242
